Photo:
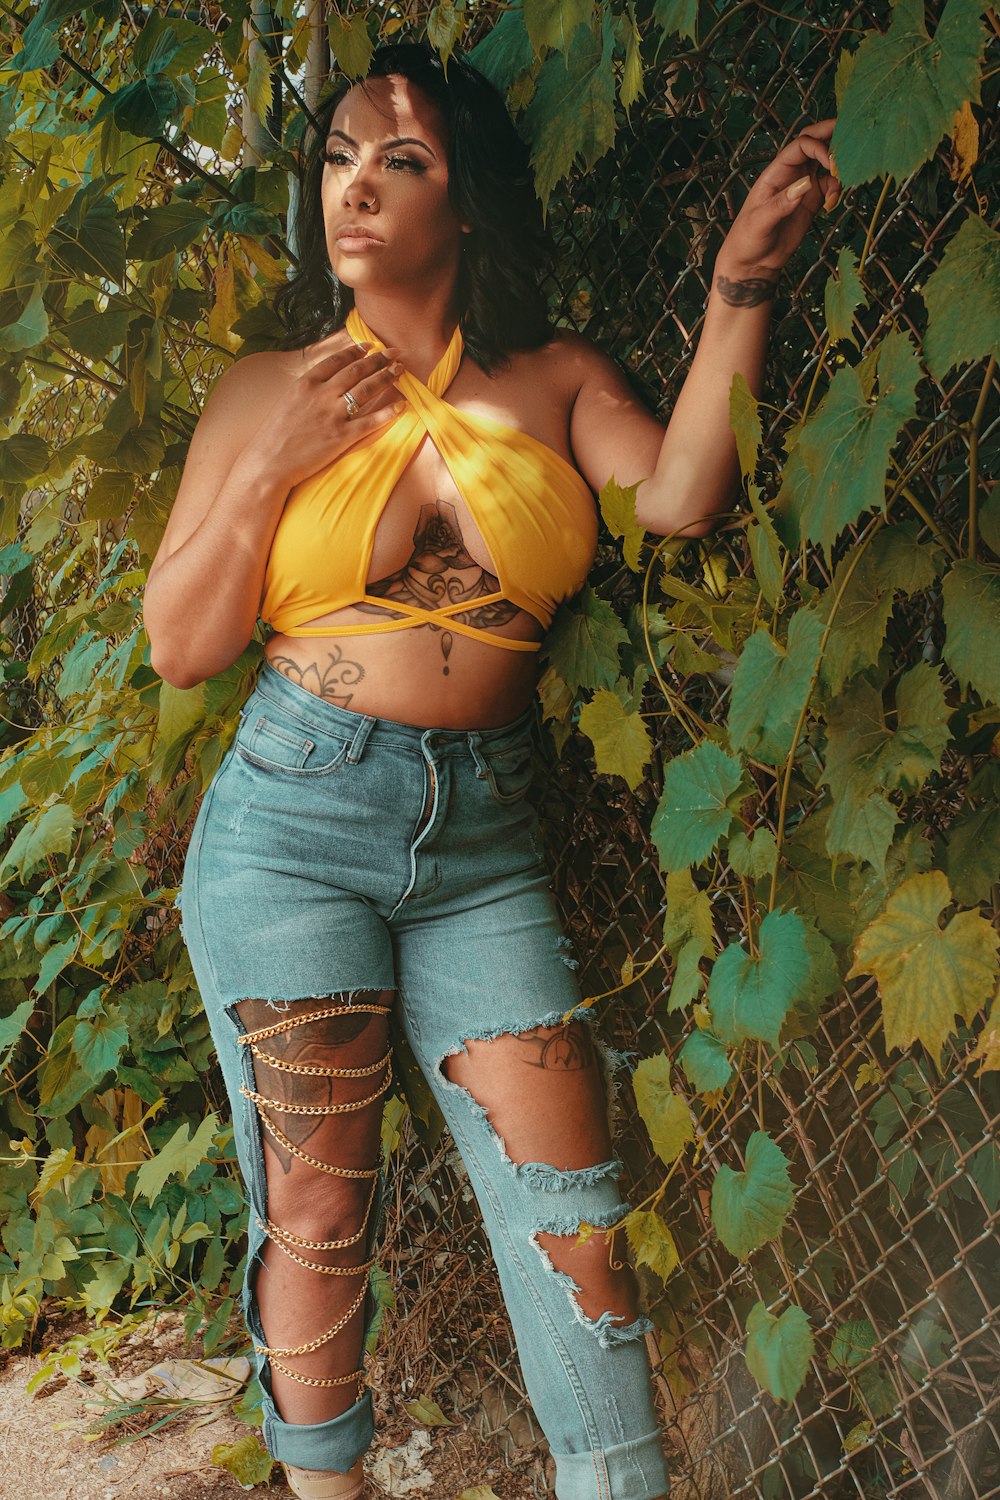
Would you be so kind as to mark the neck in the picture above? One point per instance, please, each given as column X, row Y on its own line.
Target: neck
column 420, row 331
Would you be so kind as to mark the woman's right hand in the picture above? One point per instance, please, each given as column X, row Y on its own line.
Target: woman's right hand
column 308, row 426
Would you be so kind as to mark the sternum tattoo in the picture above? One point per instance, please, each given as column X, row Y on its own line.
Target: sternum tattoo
column 440, row 570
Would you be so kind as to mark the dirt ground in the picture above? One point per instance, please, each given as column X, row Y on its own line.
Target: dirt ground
column 56, row 1448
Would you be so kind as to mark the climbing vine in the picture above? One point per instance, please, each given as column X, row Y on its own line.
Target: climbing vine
column 805, row 705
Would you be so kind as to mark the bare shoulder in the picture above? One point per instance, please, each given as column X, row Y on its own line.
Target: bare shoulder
column 578, row 357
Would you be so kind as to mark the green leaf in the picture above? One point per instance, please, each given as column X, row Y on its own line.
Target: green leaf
column 584, row 640
column 905, row 89
column 39, row 48
column 755, row 858
column 893, row 561
column 862, row 828
column 705, row 1062
column 100, row 1042
column 46, row 833
column 822, row 492
column 744, row 419
column 766, row 551
column 551, row 25
column 180, row 1156
column 95, row 331
column 505, row 52
column 750, row 1207
column 169, row 226
column 927, row 974
column 688, row 913
column 778, row 1350
column 750, row 996
column 697, row 807
column 572, row 111
column 651, row 1242
column 350, row 42
column 617, row 504
column 963, row 300
column 971, row 594
column 974, row 854
column 771, row 685
column 143, row 108
column 665, row 1114
column 22, row 456
column 864, row 756
column 844, row 295
column 31, row 326
column 677, row 17
column 622, row 745
column 246, row 1460
column 852, row 1344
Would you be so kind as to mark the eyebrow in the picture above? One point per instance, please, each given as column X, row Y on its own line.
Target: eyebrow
column 399, row 140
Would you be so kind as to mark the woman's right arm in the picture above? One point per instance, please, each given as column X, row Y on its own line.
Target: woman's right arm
column 205, row 585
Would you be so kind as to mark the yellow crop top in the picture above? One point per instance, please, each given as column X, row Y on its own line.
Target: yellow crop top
column 535, row 512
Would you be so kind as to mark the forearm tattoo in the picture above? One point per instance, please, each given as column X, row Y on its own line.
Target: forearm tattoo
column 331, row 680
column 749, row 293
column 566, row 1050
column 440, row 570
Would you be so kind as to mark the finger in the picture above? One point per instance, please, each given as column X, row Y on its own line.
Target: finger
column 350, row 364
column 382, row 382
column 376, row 417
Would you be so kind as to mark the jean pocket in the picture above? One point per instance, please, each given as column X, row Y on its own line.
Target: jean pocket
column 283, row 748
column 509, row 773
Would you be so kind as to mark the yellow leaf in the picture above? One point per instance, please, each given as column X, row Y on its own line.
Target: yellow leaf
column 868, row 1072
column 987, row 1048
column 927, row 974
column 965, row 142
column 652, row 1243
column 426, row 1410
column 268, row 265
column 665, row 1114
column 58, row 1165
column 223, row 313
column 622, row 746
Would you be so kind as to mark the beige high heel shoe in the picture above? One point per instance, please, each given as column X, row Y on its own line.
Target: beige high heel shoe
column 324, row 1484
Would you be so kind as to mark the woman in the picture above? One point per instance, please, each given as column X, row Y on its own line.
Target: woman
column 405, row 492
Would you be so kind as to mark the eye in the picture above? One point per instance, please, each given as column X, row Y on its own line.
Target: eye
column 405, row 161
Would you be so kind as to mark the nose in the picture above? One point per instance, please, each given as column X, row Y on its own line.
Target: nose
column 359, row 190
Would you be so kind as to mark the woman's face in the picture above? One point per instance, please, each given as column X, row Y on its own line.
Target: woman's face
column 386, row 170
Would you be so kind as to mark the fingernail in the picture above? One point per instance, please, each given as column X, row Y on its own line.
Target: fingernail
column 798, row 188
column 830, row 200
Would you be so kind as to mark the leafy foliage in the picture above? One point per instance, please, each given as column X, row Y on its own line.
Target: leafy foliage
column 800, row 714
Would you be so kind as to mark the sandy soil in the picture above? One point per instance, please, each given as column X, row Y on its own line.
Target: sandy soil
column 55, row 1448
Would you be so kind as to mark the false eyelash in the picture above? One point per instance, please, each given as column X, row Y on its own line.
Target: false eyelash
column 412, row 165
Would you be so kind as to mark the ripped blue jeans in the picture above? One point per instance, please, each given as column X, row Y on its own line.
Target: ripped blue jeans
column 340, row 864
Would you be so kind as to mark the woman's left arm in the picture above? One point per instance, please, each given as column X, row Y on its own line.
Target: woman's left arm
column 688, row 474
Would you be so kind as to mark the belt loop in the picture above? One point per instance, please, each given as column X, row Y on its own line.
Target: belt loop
column 475, row 740
column 360, row 739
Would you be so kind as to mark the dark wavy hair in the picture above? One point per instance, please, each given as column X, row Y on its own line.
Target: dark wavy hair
column 490, row 186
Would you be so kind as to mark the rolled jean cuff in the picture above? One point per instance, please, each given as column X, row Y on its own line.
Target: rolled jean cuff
column 335, row 1444
column 628, row 1471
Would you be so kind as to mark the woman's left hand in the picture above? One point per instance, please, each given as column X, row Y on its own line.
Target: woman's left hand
column 781, row 205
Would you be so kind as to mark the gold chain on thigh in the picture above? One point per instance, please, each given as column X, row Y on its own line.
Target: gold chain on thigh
column 284, row 1238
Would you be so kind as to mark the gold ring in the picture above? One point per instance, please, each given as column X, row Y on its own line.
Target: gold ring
column 352, row 406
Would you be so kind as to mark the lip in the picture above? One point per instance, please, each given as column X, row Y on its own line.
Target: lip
column 355, row 237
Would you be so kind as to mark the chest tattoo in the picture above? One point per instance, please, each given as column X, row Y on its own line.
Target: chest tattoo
column 440, row 571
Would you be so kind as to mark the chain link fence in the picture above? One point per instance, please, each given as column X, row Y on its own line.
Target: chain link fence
column 910, row 1404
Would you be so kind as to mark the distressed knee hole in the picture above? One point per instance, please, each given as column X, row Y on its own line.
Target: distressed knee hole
column 543, row 1093
column 605, row 1280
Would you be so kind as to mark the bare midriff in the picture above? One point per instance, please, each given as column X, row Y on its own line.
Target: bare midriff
column 399, row 675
